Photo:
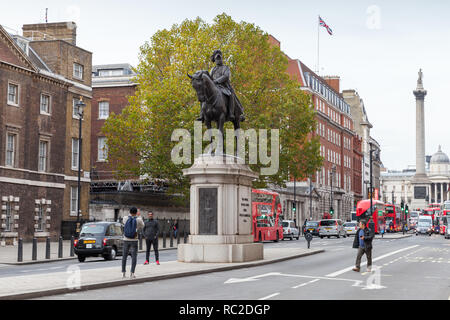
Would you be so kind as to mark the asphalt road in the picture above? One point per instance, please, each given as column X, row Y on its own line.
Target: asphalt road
column 415, row 268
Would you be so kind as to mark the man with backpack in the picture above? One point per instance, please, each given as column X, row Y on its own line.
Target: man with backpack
column 132, row 224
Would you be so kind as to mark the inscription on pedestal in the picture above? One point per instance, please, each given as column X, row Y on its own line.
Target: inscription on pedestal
column 207, row 211
column 420, row 192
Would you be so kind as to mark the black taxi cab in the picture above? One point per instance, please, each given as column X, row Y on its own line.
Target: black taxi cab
column 99, row 239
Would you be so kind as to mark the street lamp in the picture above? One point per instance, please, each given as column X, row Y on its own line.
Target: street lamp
column 80, row 111
column 333, row 170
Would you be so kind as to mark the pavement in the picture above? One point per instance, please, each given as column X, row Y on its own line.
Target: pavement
column 9, row 254
column 74, row 279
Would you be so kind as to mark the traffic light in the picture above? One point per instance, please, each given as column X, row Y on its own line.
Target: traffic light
column 293, row 207
column 331, row 211
column 406, row 209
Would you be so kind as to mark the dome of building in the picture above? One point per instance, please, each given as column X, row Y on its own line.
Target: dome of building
column 439, row 157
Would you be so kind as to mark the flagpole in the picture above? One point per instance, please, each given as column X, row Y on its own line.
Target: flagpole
column 318, row 32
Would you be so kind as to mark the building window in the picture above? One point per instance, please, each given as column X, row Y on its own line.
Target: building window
column 9, row 217
column 78, row 71
column 11, row 142
column 111, row 73
column 75, row 152
column 41, row 218
column 73, row 200
column 102, row 149
column 43, row 155
column 45, row 104
column 75, row 108
column 13, row 94
column 103, row 110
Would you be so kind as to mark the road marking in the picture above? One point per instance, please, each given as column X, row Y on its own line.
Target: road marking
column 270, row 296
column 305, row 284
column 254, row 278
column 337, row 273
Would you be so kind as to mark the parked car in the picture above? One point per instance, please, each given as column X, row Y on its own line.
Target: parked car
column 351, row 227
column 99, row 239
column 331, row 227
column 424, row 225
column 311, row 227
column 290, row 230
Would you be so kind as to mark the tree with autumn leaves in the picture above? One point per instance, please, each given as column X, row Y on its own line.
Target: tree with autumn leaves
column 139, row 139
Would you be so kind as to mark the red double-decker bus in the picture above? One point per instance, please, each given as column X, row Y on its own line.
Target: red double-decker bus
column 266, row 211
column 445, row 216
column 376, row 215
column 393, row 214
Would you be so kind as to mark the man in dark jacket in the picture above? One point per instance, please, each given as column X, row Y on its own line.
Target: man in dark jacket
column 363, row 242
column 151, row 233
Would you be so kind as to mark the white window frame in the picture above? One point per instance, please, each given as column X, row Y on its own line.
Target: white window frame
column 9, row 217
column 75, row 153
column 101, row 111
column 102, row 152
column 48, row 111
column 43, row 157
column 16, row 100
column 10, row 161
column 73, row 200
column 78, row 70
column 41, row 218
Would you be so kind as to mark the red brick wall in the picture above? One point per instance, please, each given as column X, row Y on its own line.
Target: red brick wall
column 117, row 98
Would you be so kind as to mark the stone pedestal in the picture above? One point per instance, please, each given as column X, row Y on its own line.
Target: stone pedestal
column 220, row 212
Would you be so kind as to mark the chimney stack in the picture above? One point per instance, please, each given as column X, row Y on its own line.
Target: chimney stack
column 66, row 31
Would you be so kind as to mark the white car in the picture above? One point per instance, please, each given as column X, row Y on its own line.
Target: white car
column 290, row 230
column 351, row 227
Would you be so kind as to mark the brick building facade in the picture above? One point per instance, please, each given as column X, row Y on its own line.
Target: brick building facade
column 37, row 91
column 333, row 184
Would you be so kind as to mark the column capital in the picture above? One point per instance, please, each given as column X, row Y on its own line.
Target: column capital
column 420, row 94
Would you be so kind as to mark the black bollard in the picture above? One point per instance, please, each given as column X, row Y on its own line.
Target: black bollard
column 20, row 251
column 140, row 241
column 185, row 236
column 72, row 246
column 178, row 237
column 47, row 248
column 60, row 247
column 34, row 250
column 164, row 239
column 171, row 238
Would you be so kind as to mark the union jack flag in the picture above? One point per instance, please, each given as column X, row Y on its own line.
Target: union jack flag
column 323, row 24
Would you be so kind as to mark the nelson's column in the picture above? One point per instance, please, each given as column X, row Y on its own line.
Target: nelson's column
column 420, row 181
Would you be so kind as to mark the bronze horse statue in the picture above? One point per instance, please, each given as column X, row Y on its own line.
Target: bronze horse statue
column 214, row 102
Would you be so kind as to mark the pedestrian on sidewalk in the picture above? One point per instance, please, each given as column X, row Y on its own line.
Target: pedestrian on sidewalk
column 151, row 234
column 363, row 242
column 175, row 229
column 133, row 223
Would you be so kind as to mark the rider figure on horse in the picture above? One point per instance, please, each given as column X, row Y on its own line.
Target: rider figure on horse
column 220, row 74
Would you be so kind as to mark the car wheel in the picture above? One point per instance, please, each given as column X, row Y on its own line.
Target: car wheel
column 328, row 237
column 112, row 255
column 321, row 237
column 81, row 258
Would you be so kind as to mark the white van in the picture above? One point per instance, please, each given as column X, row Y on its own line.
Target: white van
column 424, row 225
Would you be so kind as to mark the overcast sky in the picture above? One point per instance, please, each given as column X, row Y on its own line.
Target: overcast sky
column 377, row 48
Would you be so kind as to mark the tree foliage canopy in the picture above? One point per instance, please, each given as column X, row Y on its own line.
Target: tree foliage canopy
column 139, row 139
